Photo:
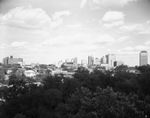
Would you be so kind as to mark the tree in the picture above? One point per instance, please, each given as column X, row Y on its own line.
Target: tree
column 105, row 103
column 68, row 87
column 2, row 75
column 20, row 116
column 144, row 69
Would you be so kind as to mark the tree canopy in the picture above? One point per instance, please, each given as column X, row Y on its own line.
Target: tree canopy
column 99, row 94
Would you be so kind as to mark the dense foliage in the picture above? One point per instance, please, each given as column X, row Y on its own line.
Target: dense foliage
column 99, row 94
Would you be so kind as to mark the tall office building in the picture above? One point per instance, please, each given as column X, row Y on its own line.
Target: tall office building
column 103, row 60
column 143, row 58
column 97, row 61
column 90, row 61
column 111, row 58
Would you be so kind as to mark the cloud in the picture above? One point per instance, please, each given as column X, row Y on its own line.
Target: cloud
column 57, row 17
column 113, row 16
column 146, row 31
column 143, row 28
column 3, row 46
column 27, row 17
column 32, row 18
column 59, row 14
column 113, row 19
column 132, row 27
column 105, row 3
column 75, row 44
column 113, row 24
column 18, row 44
column 82, row 4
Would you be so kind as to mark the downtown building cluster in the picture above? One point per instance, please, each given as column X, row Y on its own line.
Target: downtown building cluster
column 67, row 67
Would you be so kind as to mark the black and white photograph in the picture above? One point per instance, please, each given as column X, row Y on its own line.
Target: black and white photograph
column 74, row 58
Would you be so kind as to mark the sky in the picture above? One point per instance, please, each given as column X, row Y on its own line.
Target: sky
column 47, row 31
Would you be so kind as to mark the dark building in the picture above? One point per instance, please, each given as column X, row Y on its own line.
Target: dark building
column 90, row 61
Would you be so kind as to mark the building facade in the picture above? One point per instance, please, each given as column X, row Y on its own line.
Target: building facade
column 5, row 60
column 143, row 58
column 111, row 58
column 118, row 63
column 90, row 61
column 97, row 61
column 103, row 60
column 11, row 61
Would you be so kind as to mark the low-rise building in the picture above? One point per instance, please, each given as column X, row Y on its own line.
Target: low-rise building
column 29, row 73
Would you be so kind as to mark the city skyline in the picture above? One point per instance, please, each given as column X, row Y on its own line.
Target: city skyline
column 47, row 31
column 110, row 59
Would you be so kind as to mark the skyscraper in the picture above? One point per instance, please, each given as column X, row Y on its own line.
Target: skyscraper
column 90, row 61
column 111, row 58
column 103, row 60
column 143, row 58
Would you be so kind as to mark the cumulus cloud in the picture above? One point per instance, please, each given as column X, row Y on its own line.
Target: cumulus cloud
column 113, row 19
column 26, row 17
column 59, row 14
column 33, row 18
column 112, row 16
column 105, row 3
column 57, row 17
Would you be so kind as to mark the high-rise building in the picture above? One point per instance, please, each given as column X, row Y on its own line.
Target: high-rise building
column 97, row 61
column 12, row 61
column 103, row 60
column 143, row 58
column 5, row 60
column 111, row 58
column 90, row 61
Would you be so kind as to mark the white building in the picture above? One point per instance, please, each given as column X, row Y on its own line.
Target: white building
column 97, row 61
column 111, row 58
column 29, row 73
